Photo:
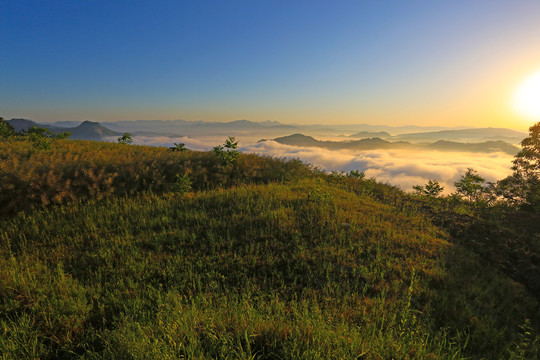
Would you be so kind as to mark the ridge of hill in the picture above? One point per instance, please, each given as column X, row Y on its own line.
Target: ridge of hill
column 378, row 143
column 87, row 130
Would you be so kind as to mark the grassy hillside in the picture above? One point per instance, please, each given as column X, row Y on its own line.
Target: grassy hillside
column 271, row 261
column 81, row 170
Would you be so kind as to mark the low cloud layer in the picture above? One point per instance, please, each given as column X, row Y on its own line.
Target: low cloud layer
column 403, row 168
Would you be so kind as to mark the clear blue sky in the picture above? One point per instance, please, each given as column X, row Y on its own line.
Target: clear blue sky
column 394, row 62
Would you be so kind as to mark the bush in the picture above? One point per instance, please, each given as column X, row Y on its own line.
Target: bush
column 125, row 139
column 431, row 189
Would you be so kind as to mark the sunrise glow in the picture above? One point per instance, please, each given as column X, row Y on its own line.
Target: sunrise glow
column 527, row 97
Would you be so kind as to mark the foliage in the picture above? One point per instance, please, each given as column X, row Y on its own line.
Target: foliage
column 180, row 147
column 125, row 139
column 356, row 174
column 523, row 186
column 432, row 189
column 6, row 129
column 227, row 152
column 182, row 184
column 42, row 138
column 470, row 185
column 81, row 170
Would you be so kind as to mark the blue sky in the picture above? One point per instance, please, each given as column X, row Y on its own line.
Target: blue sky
column 392, row 62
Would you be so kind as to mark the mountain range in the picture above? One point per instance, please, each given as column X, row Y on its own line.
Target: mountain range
column 378, row 143
column 387, row 137
column 87, row 130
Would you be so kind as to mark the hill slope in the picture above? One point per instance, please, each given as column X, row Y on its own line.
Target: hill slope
column 307, row 267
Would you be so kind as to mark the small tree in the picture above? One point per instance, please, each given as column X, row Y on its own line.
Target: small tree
column 356, row 174
column 182, row 184
column 180, row 147
column 227, row 152
column 125, row 139
column 432, row 189
column 470, row 185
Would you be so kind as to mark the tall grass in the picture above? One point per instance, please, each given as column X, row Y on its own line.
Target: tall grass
column 316, row 268
column 82, row 170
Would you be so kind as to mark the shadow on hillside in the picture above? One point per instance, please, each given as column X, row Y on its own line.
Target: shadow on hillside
column 493, row 279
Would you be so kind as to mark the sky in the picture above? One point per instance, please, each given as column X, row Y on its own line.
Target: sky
column 446, row 63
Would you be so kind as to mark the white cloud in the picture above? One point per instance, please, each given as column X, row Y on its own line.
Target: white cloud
column 404, row 168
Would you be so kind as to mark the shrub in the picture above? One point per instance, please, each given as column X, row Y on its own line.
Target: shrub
column 431, row 189
column 6, row 129
column 180, row 147
column 182, row 184
column 227, row 152
column 125, row 139
column 470, row 185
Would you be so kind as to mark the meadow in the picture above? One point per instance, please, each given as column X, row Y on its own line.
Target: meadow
column 131, row 252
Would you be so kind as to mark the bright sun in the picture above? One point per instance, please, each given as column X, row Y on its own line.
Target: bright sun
column 527, row 97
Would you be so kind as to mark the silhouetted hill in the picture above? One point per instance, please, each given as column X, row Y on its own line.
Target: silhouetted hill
column 24, row 124
column 370, row 134
column 198, row 128
column 87, row 130
column 377, row 143
column 487, row 146
column 466, row 135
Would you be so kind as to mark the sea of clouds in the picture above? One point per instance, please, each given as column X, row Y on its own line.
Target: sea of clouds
column 404, row 168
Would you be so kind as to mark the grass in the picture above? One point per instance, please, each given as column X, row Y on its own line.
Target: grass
column 312, row 268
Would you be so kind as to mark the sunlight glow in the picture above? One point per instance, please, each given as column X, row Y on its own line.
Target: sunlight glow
column 527, row 97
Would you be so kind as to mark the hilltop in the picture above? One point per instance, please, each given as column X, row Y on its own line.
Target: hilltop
column 119, row 251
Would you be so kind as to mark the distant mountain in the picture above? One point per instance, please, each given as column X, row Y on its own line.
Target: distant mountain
column 377, row 143
column 464, row 135
column 487, row 146
column 370, row 134
column 364, row 144
column 87, row 130
column 24, row 124
column 198, row 128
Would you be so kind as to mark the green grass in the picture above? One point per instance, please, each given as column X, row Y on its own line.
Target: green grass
column 320, row 268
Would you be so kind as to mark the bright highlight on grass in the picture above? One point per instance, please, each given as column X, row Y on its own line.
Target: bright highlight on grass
column 527, row 97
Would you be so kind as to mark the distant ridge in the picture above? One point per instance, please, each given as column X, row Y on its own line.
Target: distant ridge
column 377, row 143
column 476, row 134
column 87, row 130
column 198, row 128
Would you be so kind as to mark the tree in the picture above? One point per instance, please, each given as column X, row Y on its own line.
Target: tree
column 42, row 138
column 180, row 147
column 227, row 152
column 125, row 139
column 523, row 186
column 431, row 189
column 470, row 185
column 6, row 129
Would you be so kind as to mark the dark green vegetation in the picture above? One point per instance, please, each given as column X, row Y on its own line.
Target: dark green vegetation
column 130, row 252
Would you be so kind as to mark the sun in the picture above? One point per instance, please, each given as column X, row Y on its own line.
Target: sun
column 527, row 97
